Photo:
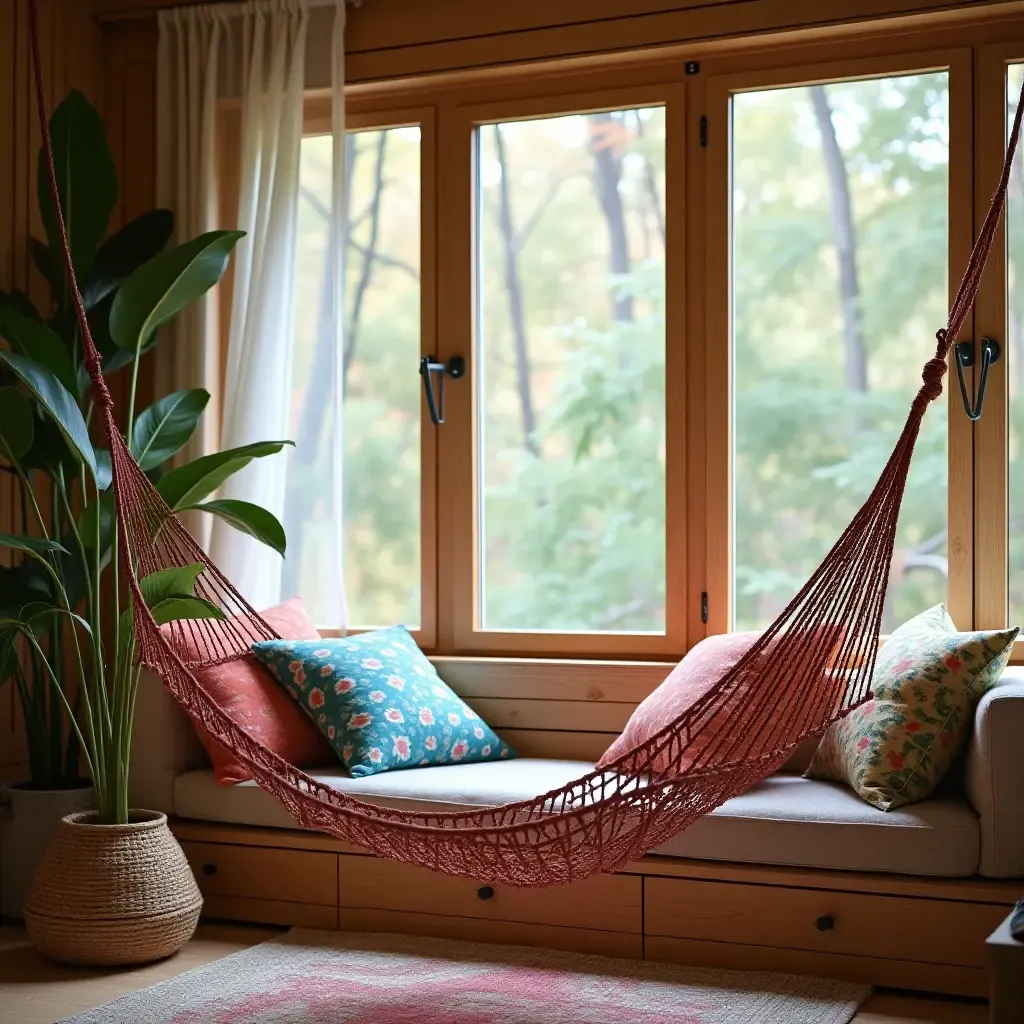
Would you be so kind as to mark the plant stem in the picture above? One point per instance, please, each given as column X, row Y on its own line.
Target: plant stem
column 67, row 707
column 131, row 397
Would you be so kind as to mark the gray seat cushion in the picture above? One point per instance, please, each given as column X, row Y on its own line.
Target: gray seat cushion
column 785, row 820
column 797, row 822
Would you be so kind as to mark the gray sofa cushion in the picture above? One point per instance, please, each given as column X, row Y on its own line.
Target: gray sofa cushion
column 995, row 775
column 785, row 820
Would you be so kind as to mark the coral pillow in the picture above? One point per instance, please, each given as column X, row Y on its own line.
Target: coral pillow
column 380, row 702
column 897, row 747
column 249, row 694
column 693, row 677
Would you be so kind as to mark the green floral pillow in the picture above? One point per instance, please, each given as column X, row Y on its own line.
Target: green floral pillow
column 896, row 748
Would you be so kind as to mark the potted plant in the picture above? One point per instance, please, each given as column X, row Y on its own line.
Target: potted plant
column 66, row 638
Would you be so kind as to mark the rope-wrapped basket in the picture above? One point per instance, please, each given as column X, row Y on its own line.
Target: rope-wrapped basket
column 113, row 894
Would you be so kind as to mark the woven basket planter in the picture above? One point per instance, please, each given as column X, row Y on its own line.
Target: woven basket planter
column 113, row 894
column 29, row 819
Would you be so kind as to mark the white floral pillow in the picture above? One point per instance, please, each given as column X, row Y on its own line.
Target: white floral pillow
column 896, row 748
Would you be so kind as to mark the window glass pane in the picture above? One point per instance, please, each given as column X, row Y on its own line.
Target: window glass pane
column 381, row 419
column 1015, row 351
column 839, row 277
column 571, row 364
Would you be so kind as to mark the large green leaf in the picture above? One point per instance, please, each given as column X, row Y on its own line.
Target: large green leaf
column 166, row 283
column 196, row 480
column 50, row 451
column 17, row 300
column 21, row 585
column 31, row 545
column 8, row 652
column 57, row 401
column 184, row 606
column 165, row 427
column 29, row 337
column 125, row 251
column 248, row 518
column 43, row 257
column 86, row 180
column 16, row 425
column 105, row 509
column 170, row 595
column 104, row 468
column 178, row 580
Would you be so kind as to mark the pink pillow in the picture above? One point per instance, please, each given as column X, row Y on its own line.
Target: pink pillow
column 692, row 678
column 262, row 707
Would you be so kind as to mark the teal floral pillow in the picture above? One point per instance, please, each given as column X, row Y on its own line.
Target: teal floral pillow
column 897, row 747
column 380, row 702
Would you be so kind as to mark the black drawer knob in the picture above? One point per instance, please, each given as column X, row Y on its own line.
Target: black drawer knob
column 825, row 923
column 209, row 869
column 485, row 892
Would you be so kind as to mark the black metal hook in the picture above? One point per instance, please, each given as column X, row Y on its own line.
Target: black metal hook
column 990, row 353
column 454, row 368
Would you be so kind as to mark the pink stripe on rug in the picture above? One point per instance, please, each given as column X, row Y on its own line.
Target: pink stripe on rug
column 309, row 977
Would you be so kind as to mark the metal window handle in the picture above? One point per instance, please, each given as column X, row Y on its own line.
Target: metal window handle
column 964, row 358
column 429, row 369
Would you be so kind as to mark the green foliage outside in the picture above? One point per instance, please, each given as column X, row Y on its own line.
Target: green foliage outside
column 828, row 345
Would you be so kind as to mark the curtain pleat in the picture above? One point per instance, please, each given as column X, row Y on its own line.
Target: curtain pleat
column 255, row 53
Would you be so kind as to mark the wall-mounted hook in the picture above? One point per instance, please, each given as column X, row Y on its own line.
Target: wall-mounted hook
column 964, row 359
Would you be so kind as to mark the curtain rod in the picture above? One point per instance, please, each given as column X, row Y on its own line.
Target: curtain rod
column 139, row 13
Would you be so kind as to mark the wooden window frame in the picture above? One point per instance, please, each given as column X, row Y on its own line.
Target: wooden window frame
column 718, row 383
column 459, row 551
column 991, row 452
column 974, row 50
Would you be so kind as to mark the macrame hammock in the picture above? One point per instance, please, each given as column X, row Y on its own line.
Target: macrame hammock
column 809, row 668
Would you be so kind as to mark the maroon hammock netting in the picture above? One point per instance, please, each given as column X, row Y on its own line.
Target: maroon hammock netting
column 808, row 669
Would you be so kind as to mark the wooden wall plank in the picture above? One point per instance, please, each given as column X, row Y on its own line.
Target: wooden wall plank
column 70, row 53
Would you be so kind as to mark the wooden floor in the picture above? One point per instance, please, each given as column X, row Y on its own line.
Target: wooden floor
column 34, row 991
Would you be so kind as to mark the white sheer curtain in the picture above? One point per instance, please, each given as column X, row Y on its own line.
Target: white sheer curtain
column 253, row 54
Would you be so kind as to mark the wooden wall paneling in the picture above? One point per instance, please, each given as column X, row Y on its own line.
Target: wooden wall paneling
column 129, row 113
column 579, row 35
column 69, row 58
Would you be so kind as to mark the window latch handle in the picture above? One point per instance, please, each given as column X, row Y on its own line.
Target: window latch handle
column 431, row 371
column 964, row 358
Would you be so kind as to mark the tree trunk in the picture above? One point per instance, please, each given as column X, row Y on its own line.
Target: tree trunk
column 369, row 257
column 855, row 356
column 652, row 186
column 607, row 175
column 514, row 292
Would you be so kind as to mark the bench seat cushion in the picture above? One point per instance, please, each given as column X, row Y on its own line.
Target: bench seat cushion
column 785, row 820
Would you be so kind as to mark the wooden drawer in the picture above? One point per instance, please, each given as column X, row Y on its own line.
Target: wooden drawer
column 289, row 876
column 607, row 902
column 821, row 920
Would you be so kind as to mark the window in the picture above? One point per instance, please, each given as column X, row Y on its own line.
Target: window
column 693, row 310
column 380, row 432
column 839, row 204
column 571, row 372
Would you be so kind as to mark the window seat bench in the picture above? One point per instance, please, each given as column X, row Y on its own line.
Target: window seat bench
column 795, row 875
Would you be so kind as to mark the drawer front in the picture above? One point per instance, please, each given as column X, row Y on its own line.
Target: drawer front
column 904, row 928
column 607, row 902
column 291, row 876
